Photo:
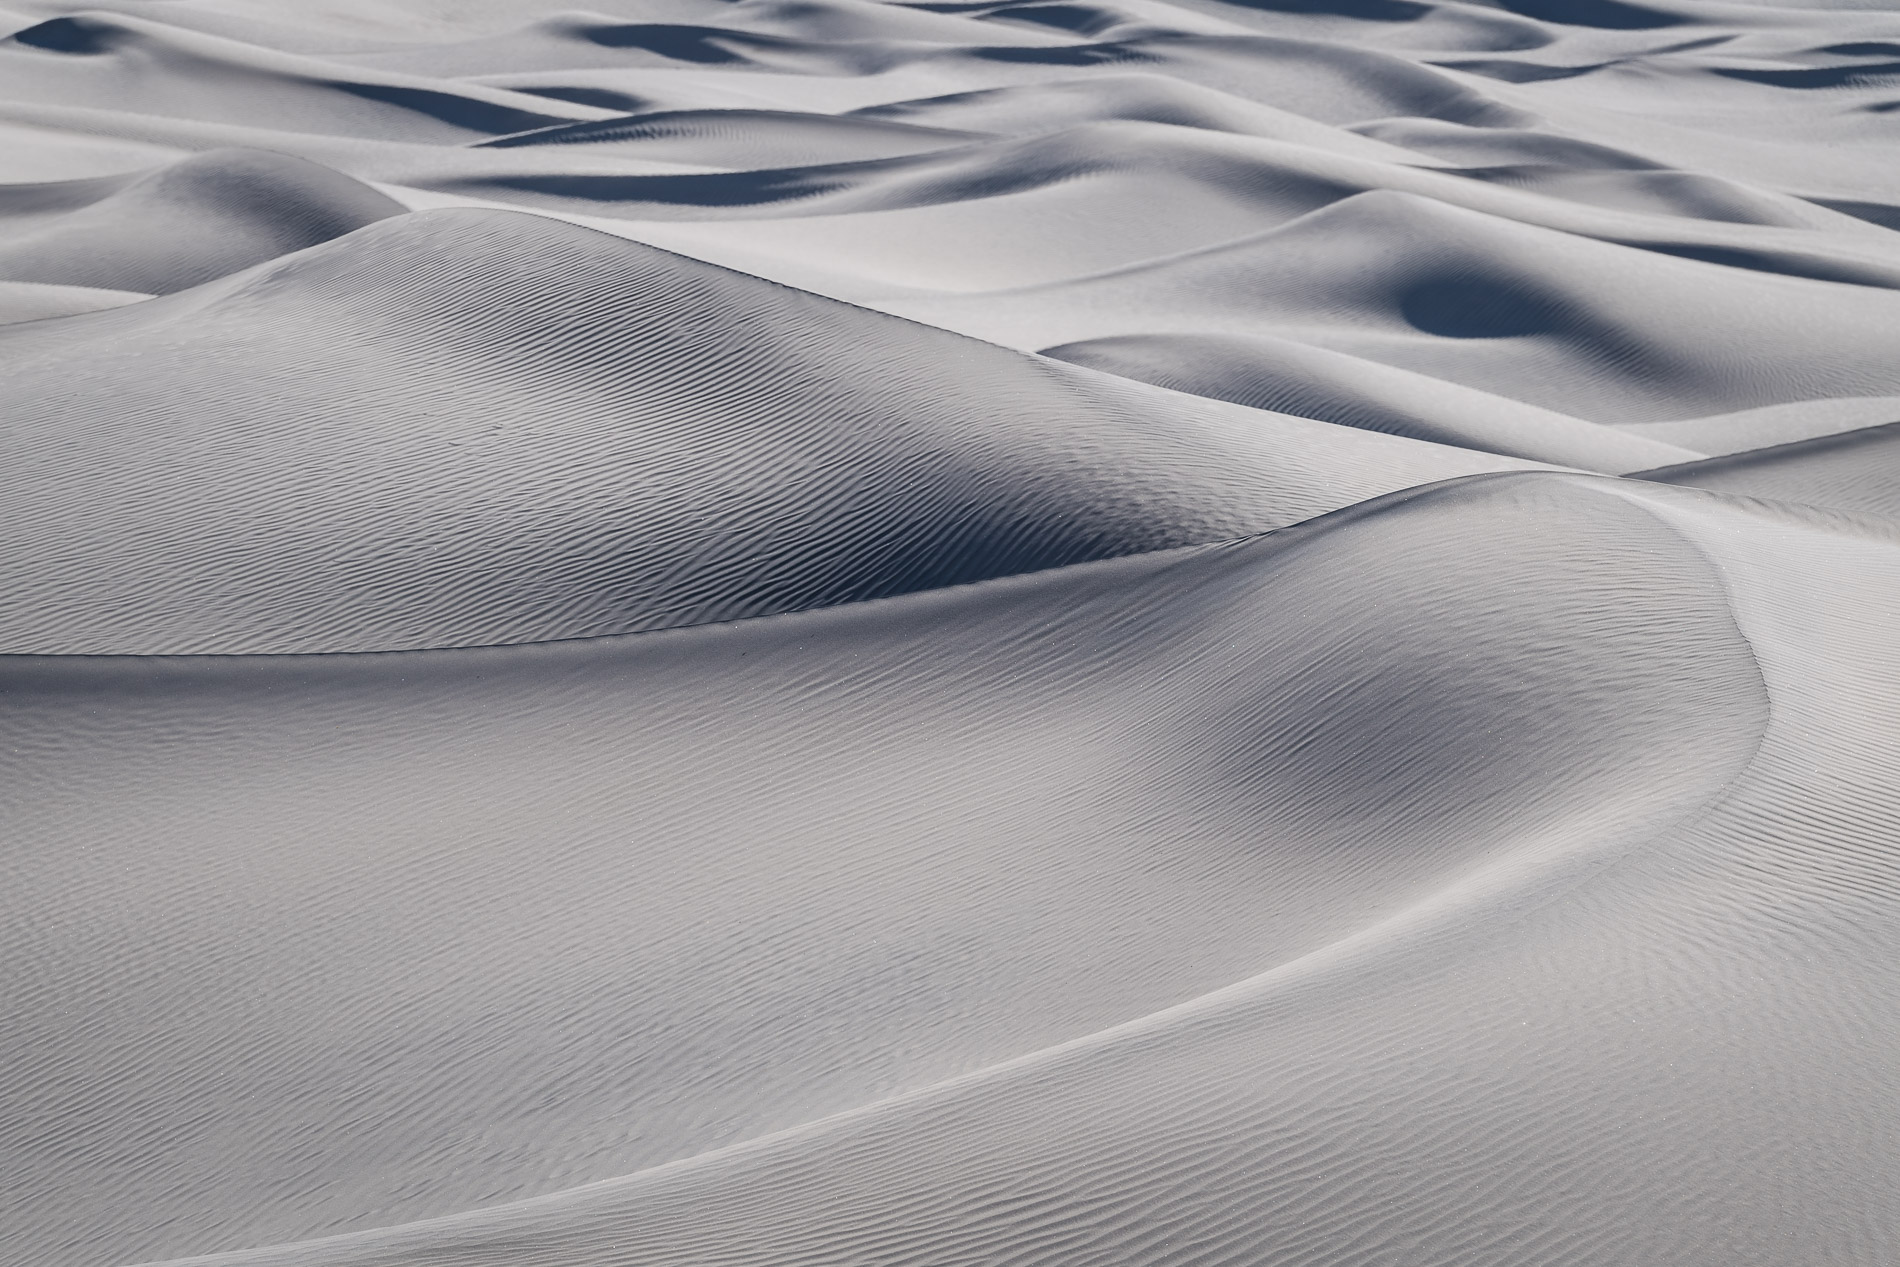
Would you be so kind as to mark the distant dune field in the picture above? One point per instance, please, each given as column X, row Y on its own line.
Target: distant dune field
column 788, row 633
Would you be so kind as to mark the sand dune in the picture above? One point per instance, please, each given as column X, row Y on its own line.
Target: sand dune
column 38, row 301
column 1555, row 320
column 1298, row 378
column 743, row 139
column 135, row 64
column 1569, row 752
column 462, row 428
column 1851, row 470
column 192, row 221
column 1133, row 96
column 1168, row 633
column 1775, row 424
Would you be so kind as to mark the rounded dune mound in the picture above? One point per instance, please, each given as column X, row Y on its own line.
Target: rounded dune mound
column 636, row 905
column 189, row 222
column 469, row 427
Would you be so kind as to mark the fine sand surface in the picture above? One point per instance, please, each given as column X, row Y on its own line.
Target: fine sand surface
column 764, row 633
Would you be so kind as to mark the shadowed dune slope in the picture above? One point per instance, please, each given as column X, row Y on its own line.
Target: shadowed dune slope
column 939, row 832
column 186, row 223
column 466, row 427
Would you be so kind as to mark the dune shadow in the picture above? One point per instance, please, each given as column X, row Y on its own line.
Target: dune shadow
column 1519, row 72
column 1815, row 76
column 1884, row 214
column 710, row 189
column 458, row 112
column 69, row 35
column 1477, row 308
column 1605, row 15
column 1363, row 10
column 681, row 43
column 604, row 98
column 1082, row 55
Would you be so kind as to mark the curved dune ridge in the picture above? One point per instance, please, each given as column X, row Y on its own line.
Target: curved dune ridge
column 1170, row 633
column 462, row 428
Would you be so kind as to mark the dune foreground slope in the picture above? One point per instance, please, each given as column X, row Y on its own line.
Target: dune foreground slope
column 1169, row 633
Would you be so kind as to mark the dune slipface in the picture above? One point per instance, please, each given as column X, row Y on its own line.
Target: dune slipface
column 1171, row 634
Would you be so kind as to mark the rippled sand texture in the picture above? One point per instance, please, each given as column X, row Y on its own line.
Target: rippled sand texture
column 794, row 632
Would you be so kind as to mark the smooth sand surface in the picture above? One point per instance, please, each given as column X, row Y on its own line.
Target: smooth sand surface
column 1181, row 633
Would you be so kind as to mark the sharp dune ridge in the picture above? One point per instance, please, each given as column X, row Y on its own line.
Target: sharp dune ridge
column 1172, row 633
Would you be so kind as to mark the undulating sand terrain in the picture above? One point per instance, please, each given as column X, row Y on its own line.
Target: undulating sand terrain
column 775, row 633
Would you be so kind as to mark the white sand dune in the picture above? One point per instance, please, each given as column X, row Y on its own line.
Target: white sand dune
column 1298, row 378
column 192, row 221
column 461, row 428
column 1772, row 425
column 1556, row 320
column 37, row 301
column 1850, row 470
column 1169, row 633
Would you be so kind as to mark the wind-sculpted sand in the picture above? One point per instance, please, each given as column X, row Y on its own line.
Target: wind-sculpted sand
column 797, row 632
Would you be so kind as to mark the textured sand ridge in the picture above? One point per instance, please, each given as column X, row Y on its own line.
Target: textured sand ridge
column 1181, row 633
